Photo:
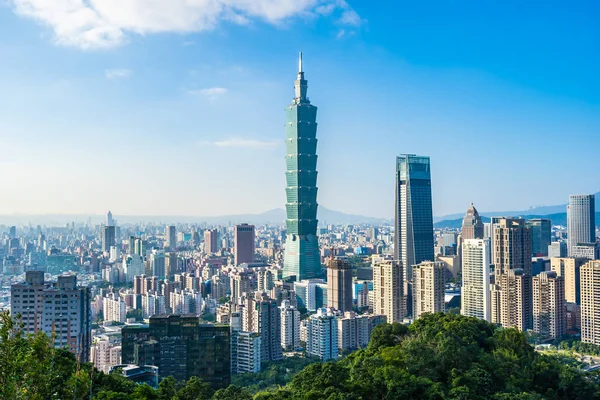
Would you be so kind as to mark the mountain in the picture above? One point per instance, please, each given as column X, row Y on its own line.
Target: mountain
column 275, row 216
column 557, row 219
column 539, row 211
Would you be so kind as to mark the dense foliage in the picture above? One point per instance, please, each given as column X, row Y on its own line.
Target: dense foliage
column 273, row 374
column 440, row 356
column 580, row 347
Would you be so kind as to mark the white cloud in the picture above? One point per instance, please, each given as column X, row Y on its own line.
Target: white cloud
column 118, row 73
column 97, row 24
column 211, row 92
column 246, row 143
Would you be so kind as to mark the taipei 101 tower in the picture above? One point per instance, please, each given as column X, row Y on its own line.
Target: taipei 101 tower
column 302, row 257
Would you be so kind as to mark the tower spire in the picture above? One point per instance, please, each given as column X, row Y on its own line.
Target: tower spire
column 300, row 64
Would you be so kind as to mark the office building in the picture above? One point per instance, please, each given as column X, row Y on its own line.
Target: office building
column 413, row 235
column 388, row 289
column 569, row 269
column 157, row 263
column 180, row 347
column 244, row 244
column 133, row 265
column 557, row 250
column 428, row 288
column 322, row 335
column 511, row 300
column 512, row 245
column 475, row 291
column 108, row 238
column 472, row 226
column 589, row 251
column 171, row 237
column 549, row 305
column 339, row 284
column 581, row 220
column 541, row 234
column 311, row 293
column 290, row 326
column 211, row 245
column 59, row 308
column 302, row 255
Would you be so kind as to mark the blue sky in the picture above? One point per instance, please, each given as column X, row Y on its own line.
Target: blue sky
column 176, row 107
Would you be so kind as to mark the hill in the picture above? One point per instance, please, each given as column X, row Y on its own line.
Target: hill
column 557, row 219
column 439, row 356
column 538, row 210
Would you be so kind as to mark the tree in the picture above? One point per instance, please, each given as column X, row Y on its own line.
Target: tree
column 232, row 393
column 195, row 389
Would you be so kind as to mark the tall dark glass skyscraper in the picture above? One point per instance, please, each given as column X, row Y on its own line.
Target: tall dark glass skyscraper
column 413, row 237
column 302, row 257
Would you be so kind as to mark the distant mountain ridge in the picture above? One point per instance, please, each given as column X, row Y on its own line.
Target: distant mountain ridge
column 275, row 216
column 540, row 211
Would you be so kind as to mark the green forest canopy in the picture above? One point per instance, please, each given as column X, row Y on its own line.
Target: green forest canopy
column 439, row 356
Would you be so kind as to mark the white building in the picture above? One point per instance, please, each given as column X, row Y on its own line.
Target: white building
column 322, row 332
column 245, row 352
column 475, row 292
column 581, row 221
column 186, row 302
column 388, row 289
column 114, row 308
column 153, row 304
column 290, row 326
column 133, row 265
column 105, row 353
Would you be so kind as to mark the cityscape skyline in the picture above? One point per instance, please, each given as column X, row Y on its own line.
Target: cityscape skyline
column 179, row 108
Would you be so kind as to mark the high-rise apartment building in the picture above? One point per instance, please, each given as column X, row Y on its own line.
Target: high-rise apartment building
column 388, row 289
column 428, row 288
column 511, row 302
column 549, row 306
column 290, row 326
column 244, row 244
column 512, row 245
column 472, row 226
column 339, row 284
column 569, row 269
column 413, row 236
column 590, row 306
column 157, row 263
column 266, row 321
column 171, row 236
column 58, row 308
column 322, row 335
column 108, row 238
column 180, row 347
column 210, row 241
column 105, row 353
column 302, row 256
column 541, row 235
column 475, row 293
column 581, row 220
column 114, row 308
column 245, row 352
column 354, row 331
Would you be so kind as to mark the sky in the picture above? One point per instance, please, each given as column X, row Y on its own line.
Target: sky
column 176, row 107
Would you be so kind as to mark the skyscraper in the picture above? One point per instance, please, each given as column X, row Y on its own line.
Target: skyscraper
column 339, row 284
column 472, row 226
column 108, row 237
column 322, row 340
column 210, row 241
column 512, row 245
column 428, row 287
column 541, row 233
column 302, row 256
column 475, row 294
column 244, row 244
column 569, row 269
column 413, row 237
column 171, row 234
column 581, row 220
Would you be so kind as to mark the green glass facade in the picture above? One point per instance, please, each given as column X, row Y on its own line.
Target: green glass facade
column 302, row 257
